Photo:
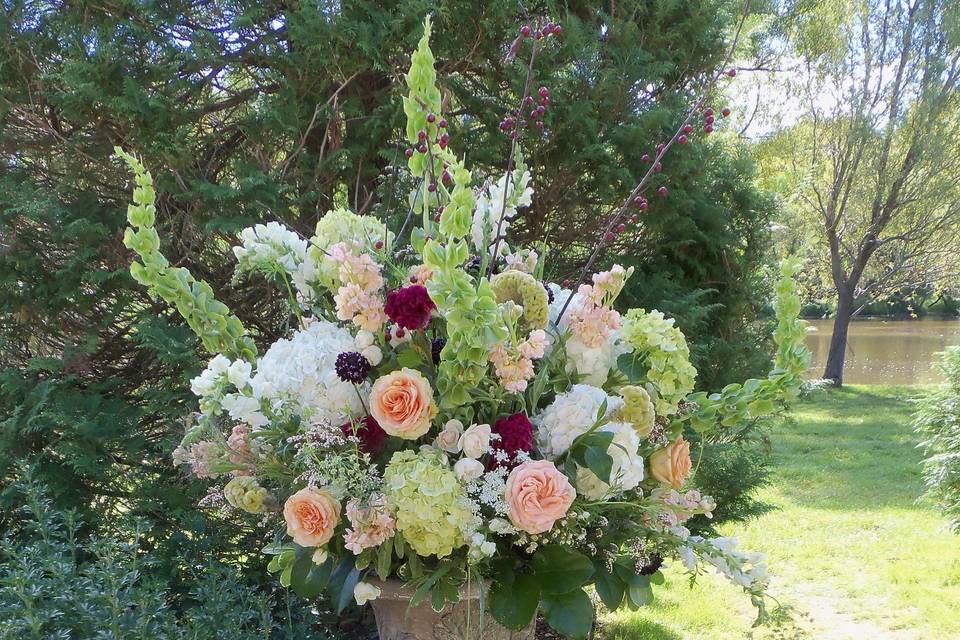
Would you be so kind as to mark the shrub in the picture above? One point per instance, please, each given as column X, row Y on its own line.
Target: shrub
column 54, row 584
column 937, row 420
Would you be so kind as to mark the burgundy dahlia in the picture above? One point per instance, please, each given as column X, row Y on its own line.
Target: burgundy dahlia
column 371, row 434
column 410, row 307
column 516, row 435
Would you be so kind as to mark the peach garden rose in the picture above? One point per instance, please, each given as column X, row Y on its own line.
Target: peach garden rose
column 538, row 495
column 671, row 465
column 402, row 402
column 311, row 515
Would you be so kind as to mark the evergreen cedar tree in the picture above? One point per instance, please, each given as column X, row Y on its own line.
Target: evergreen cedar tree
column 251, row 111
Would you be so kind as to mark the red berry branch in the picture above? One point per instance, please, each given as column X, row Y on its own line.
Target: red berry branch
column 636, row 198
column 512, row 126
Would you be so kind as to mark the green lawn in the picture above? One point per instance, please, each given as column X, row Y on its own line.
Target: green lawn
column 852, row 553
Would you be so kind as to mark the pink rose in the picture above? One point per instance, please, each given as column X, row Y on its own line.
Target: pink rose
column 402, row 402
column 671, row 465
column 538, row 495
column 311, row 515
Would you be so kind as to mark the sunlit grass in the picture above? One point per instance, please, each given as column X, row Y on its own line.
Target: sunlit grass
column 853, row 553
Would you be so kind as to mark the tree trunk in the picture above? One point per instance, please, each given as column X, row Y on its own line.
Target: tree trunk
column 838, row 341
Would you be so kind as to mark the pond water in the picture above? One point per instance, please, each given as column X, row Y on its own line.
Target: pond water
column 884, row 351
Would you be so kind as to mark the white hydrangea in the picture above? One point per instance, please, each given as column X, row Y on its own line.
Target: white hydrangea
column 490, row 210
column 627, row 470
column 570, row 415
column 299, row 374
column 594, row 363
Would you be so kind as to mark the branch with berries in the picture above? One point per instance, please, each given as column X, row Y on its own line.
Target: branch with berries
column 615, row 223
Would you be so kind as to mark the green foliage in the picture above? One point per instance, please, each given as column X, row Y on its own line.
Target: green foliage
column 937, row 420
column 53, row 583
column 701, row 257
column 554, row 581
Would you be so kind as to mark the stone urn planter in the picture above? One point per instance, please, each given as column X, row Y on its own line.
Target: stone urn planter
column 397, row 620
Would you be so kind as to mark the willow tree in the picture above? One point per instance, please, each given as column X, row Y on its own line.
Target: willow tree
column 873, row 165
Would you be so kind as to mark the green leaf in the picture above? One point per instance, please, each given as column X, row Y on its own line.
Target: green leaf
column 384, row 559
column 514, row 599
column 560, row 569
column 600, row 462
column 600, row 439
column 570, row 613
column 342, row 582
column 632, row 366
column 308, row 579
column 639, row 595
column 409, row 357
column 638, row 587
column 610, row 587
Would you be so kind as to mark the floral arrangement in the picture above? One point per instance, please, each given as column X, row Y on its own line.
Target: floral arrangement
column 440, row 414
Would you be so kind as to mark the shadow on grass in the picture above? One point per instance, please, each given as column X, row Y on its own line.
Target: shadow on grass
column 637, row 629
column 849, row 448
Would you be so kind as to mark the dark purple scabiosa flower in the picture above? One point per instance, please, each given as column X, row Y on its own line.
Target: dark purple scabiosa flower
column 352, row 367
column 410, row 307
column 370, row 433
column 549, row 293
column 652, row 566
column 516, row 435
column 436, row 347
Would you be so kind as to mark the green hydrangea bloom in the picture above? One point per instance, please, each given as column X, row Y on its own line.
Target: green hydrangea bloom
column 245, row 493
column 343, row 225
column 523, row 289
column 663, row 348
column 428, row 501
column 637, row 409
